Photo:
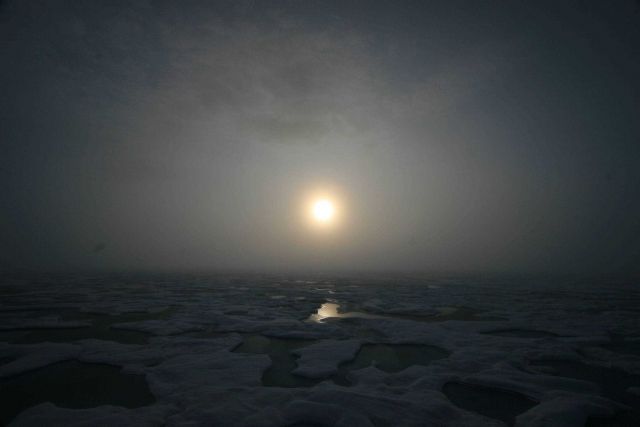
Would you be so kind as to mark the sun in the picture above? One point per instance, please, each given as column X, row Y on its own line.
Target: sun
column 323, row 210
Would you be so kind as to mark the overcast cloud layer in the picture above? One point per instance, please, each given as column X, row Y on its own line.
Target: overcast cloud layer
column 462, row 136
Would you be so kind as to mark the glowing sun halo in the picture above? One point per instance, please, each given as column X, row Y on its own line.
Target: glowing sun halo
column 323, row 210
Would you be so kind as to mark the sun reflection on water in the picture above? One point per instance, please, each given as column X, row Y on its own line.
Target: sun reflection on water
column 330, row 310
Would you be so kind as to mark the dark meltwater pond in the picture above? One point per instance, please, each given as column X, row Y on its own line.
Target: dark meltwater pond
column 488, row 401
column 283, row 361
column 521, row 333
column 5, row 360
column 31, row 336
column 72, row 384
column 386, row 357
column 101, row 328
column 630, row 346
column 393, row 357
column 464, row 314
column 613, row 384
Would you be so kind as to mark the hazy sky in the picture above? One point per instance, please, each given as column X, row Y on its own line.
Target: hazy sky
column 457, row 135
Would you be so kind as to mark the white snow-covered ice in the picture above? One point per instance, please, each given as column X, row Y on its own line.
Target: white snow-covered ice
column 569, row 351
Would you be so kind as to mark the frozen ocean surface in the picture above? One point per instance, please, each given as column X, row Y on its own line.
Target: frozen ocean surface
column 260, row 350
